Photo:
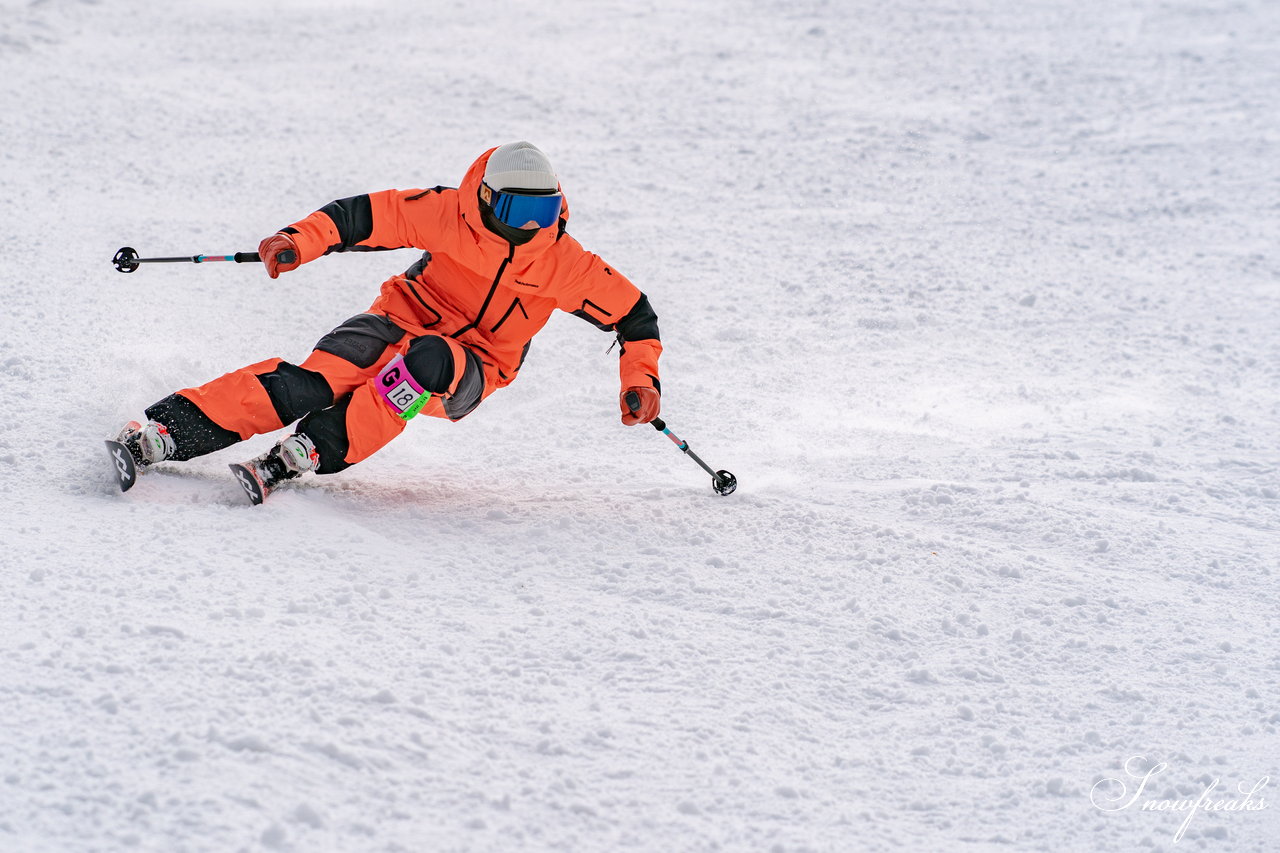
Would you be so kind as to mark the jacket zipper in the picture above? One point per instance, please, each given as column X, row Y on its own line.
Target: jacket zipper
column 493, row 288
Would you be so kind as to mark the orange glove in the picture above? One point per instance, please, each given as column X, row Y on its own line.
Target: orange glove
column 640, row 404
column 279, row 254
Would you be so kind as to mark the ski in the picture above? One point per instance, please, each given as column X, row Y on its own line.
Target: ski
column 250, row 482
column 126, row 470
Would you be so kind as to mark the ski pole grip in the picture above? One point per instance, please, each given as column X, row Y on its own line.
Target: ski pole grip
column 633, row 403
column 286, row 257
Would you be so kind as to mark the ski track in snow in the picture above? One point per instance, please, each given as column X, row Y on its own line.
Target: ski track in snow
column 978, row 300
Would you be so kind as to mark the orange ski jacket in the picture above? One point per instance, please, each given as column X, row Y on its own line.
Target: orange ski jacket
column 475, row 286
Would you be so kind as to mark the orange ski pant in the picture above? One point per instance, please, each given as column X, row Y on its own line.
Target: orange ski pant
column 334, row 392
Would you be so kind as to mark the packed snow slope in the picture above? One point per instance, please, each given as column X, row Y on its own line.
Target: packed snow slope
column 979, row 300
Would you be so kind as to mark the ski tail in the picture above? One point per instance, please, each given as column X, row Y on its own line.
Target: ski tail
column 251, row 482
column 123, row 464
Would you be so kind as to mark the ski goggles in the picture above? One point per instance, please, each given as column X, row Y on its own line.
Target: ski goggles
column 518, row 208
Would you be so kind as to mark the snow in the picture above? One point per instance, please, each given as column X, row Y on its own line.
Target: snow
column 978, row 300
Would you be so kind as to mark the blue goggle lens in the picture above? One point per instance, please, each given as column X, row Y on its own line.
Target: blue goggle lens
column 517, row 209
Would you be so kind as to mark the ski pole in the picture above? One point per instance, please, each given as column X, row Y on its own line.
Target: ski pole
column 127, row 260
column 723, row 482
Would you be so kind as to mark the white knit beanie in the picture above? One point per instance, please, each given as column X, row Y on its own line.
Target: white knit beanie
column 519, row 166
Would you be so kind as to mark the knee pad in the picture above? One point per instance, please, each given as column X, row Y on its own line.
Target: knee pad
column 430, row 361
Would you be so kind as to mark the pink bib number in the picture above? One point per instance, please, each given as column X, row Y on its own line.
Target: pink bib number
column 400, row 390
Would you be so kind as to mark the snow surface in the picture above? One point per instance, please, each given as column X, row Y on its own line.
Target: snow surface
column 979, row 300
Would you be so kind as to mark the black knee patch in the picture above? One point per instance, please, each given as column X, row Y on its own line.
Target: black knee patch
column 430, row 361
column 295, row 392
column 327, row 428
column 193, row 433
column 362, row 339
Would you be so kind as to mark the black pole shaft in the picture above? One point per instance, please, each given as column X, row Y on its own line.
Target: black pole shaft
column 660, row 426
column 127, row 260
column 238, row 257
column 695, row 458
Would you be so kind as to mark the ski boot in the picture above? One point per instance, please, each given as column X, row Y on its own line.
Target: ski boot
column 137, row 447
column 289, row 459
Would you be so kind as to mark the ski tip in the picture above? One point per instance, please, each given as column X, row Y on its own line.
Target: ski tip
column 250, row 483
column 123, row 466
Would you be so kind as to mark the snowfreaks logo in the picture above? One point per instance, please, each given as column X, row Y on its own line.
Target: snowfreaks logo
column 1112, row 795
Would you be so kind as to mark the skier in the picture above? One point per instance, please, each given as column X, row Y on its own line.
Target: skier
column 439, row 339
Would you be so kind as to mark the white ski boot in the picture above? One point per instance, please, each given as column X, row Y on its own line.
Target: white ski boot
column 137, row 447
column 289, row 459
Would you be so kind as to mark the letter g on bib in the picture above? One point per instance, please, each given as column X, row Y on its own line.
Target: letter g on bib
column 400, row 391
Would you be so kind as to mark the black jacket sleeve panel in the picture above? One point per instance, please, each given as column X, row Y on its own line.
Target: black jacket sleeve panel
column 640, row 323
column 353, row 217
